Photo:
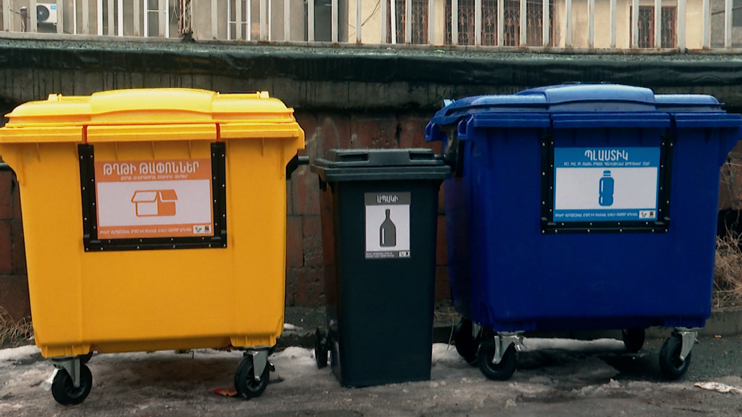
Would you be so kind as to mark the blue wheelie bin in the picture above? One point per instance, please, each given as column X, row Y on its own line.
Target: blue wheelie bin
column 581, row 207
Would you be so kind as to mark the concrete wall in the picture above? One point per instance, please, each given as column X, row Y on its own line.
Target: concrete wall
column 371, row 15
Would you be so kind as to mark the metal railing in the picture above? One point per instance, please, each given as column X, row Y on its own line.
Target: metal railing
column 559, row 24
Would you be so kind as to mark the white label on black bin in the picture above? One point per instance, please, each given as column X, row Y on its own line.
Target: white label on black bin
column 387, row 225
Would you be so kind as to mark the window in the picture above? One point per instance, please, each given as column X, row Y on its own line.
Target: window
column 419, row 22
column 511, row 22
column 466, row 22
column 645, row 30
column 737, row 13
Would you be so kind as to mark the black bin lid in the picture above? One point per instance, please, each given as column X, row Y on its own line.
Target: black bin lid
column 380, row 165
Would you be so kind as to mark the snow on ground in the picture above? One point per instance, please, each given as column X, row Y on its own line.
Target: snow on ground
column 18, row 353
column 597, row 345
column 296, row 353
column 442, row 353
column 447, row 353
column 294, row 362
column 173, row 383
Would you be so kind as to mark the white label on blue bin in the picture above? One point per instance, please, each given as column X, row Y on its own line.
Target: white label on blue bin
column 606, row 184
column 387, row 225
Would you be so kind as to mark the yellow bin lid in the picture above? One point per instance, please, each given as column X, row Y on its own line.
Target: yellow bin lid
column 150, row 114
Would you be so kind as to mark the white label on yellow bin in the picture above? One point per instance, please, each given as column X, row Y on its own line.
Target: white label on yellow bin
column 146, row 199
column 387, row 225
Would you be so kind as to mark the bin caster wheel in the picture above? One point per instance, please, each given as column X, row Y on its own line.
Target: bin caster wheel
column 86, row 357
column 244, row 379
column 670, row 363
column 64, row 391
column 466, row 344
column 321, row 347
column 633, row 339
column 496, row 372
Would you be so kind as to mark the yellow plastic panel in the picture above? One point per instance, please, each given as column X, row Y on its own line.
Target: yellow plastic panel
column 260, row 130
column 52, row 224
column 159, row 299
column 55, row 110
column 167, row 100
column 115, row 301
column 42, row 134
column 259, row 197
column 168, row 132
column 156, row 106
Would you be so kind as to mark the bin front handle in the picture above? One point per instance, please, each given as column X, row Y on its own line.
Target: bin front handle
column 294, row 164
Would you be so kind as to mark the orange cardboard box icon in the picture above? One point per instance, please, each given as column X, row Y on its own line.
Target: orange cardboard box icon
column 155, row 202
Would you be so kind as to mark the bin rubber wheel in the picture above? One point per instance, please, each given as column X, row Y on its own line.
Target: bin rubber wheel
column 64, row 391
column 244, row 379
column 503, row 370
column 466, row 345
column 320, row 347
column 633, row 339
column 672, row 367
column 86, row 357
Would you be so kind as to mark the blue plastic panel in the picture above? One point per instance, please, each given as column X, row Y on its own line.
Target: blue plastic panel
column 612, row 120
column 703, row 119
column 508, row 275
column 521, row 277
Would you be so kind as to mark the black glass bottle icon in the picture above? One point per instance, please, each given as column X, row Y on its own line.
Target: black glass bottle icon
column 606, row 189
column 388, row 232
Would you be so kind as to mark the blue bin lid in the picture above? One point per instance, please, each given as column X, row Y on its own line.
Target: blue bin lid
column 577, row 98
column 595, row 93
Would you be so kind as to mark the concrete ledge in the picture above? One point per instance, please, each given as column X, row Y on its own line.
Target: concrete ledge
column 325, row 76
column 43, row 36
column 723, row 322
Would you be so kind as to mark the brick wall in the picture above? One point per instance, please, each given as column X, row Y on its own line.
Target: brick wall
column 304, row 259
column 325, row 131
column 13, row 280
column 730, row 186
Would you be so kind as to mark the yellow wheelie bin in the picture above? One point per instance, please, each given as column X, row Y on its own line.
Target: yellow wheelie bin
column 154, row 219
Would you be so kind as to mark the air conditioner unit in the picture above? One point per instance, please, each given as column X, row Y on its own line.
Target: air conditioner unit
column 46, row 13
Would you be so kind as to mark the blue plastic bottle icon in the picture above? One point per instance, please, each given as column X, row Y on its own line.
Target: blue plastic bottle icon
column 606, row 189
